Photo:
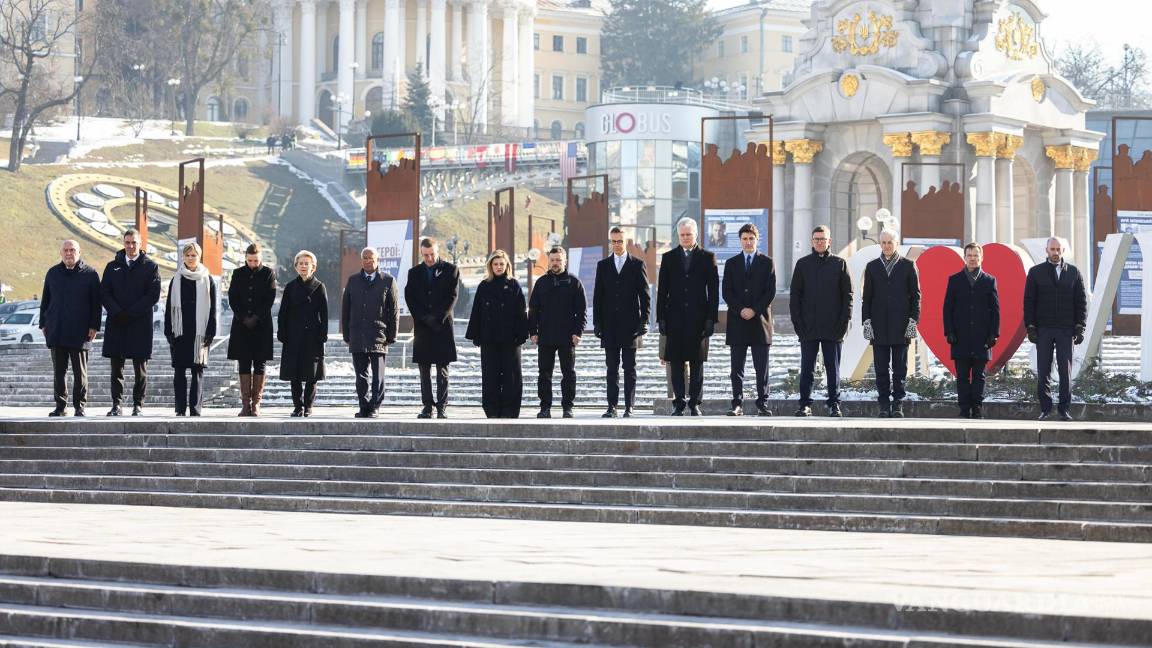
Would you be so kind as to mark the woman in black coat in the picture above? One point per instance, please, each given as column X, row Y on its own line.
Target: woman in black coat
column 251, row 294
column 190, row 326
column 499, row 325
column 302, row 328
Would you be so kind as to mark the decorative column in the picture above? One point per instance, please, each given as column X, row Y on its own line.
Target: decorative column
column 509, row 98
column 1082, row 253
column 527, row 57
column 478, row 74
column 901, row 145
column 803, row 152
column 362, row 38
column 930, row 143
column 779, row 217
column 1064, row 158
column 391, row 68
column 402, row 46
column 422, row 35
column 345, row 73
column 456, row 56
column 284, row 78
column 436, row 52
column 1005, row 214
column 323, row 46
column 306, row 110
column 987, row 144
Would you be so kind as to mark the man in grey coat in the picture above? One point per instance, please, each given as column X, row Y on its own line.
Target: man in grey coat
column 369, row 318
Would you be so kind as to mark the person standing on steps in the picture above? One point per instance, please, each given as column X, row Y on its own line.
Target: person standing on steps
column 972, row 327
column 129, row 289
column 1055, row 316
column 889, row 311
column 69, row 320
column 498, row 325
column 369, row 320
column 190, row 325
column 749, row 288
column 687, row 307
column 430, row 294
column 821, row 310
column 302, row 328
column 620, row 310
column 251, row 294
column 557, row 314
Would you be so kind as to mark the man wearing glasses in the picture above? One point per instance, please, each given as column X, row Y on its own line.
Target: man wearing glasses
column 620, row 310
column 821, row 307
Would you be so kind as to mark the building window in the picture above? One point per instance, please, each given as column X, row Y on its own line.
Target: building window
column 535, row 86
column 743, row 44
column 536, row 41
column 720, row 49
column 214, row 109
column 240, row 110
column 582, row 90
column 242, row 66
column 557, row 130
column 786, row 43
column 581, row 45
column 557, row 43
column 39, row 29
column 378, row 51
column 558, row 88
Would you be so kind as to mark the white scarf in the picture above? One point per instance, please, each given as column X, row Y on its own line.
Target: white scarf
column 203, row 307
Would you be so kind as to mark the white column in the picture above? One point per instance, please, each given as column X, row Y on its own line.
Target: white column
column 509, row 97
column 456, row 56
column 526, row 110
column 1063, row 202
column 307, row 107
column 391, row 52
column 402, row 48
column 422, row 35
column 361, row 38
column 345, row 79
column 478, row 75
column 1005, row 216
column 1083, row 244
column 323, row 45
column 284, row 65
column 436, row 52
column 801, row 210
column 779, row 221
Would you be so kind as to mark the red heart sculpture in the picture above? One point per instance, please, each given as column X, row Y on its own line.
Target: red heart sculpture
column 1007, row 264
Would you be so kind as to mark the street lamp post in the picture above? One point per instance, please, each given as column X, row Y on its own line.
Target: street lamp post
column 174, row 85
column 435, row 103
column 77, row 80
column 338, row 105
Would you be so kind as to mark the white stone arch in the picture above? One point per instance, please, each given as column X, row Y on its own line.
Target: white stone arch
column 372, row 98
column 841, row 142
column 860, row 184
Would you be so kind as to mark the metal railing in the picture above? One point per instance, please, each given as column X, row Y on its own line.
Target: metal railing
column 672, row 94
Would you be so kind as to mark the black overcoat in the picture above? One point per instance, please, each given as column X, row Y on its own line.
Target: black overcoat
column 687, row 298
column 753, row 288
column 302, row 328
column 181, row 348
column 557, row 309
column 130, row 291
column 251, row 293
column 369, row 313
column 70, row 305
column 498, row 313
column 971, row 314
column 1059, row 303
column 431, row 304
column 820, row 301
column 621, row 304
column 890, row 300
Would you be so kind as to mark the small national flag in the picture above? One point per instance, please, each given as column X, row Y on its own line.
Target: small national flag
column 568, row 162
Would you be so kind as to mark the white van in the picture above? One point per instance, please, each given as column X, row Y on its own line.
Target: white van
column 22, row 327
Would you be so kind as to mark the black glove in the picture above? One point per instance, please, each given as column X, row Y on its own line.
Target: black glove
column 991, row 342
column 662, row 326
column 1033, row 335
column 208, row 341
column 642, row 331
column 709, row 328
column 123, row 318
column 1078, row 338
column 251, row 321
column 951, row 337
column 598, row 333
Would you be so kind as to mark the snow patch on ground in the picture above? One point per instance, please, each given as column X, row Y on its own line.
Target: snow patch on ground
column 319, row 186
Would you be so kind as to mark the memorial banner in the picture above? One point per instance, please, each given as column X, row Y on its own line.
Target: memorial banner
column 392, row 241
column 721, row 234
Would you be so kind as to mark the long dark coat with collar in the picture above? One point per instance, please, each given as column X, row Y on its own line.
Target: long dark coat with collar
column 184, row 354
column 302, row 328
column 890, row 300
column 972, row 315
column 1059, row 303
column 557, row 309
column 621, row 304
column 133, row 290
column 251, row 293
column 431, row 304
column 369, row 313
column 820, row 302
column 70, row 305
column 753, row 288
column 499, row 315
column 687, row 298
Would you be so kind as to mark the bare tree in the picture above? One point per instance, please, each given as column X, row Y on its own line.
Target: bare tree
column 1123, row 86
column 468, row 113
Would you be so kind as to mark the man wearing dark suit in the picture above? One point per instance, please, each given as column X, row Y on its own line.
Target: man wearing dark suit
column 369, row 320
column 971, row 326
column 889, row 311
column 1055, row 314
column 620, row 310
column 430, row 295
column 749, row 288
column 820, row 304
column 687, row 306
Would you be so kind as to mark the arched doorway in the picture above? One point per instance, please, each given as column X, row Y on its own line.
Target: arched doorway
column 374, row 100
column 215, row 113
column 240, row 110
column 324, row 110
column 1024, row 219
column 861, row 185
column 557, row 130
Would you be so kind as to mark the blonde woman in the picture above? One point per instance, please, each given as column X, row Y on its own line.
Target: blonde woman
column 302, row 327
column 190, row 325
column 499, row 325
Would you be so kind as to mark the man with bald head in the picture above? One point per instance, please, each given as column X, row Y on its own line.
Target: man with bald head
column 1055, row 314
column 70, row 318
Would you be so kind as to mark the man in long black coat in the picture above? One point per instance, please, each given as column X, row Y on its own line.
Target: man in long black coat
column 1055, row 314
column 687, row 307
column 251, row 294
column 821, row 308
column 430, row 295
column 129, row 289
column 69, row 319
column 972, row 327
column 620, row 310
column 369, row 320
column 890, row 311
column 557, row 314
column 749, row 288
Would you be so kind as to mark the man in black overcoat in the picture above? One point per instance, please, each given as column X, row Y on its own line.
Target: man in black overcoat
column 972, row 327
column 749, row 288
column 687, row 307
column 70, row 319
column 129, row 290
column 430, row 295
column 557, row 314
column 1055, row 315
column 890, row 310
column 369, row 320
column 620, row 310
column 821, row 308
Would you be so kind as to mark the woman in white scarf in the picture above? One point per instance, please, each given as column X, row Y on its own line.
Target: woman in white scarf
column 190, row 325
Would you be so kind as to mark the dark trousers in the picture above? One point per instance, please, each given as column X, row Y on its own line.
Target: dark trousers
column 970, row 382
column 363, row 364
column 1060, row 340
column 760, row 363
column 612, row 358
column 695, row 383
column 547, row 361
column 891, row 371
column 61, row 358
column 251, row 367
column 189, row 396
column 502, row 383
column 303, row 394
column 830, row 350
column 139, row 381
column 441, row 399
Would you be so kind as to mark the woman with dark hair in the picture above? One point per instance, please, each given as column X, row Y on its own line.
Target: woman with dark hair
column 190, row 325
column 251, row 294
column 499, row 325
column 302, row 327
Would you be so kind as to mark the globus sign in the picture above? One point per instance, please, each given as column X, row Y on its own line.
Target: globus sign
column 644, row 122
column 640, row 123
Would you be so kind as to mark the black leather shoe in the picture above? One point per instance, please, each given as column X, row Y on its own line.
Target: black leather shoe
column 425, row 413
column 804, row 411
column 568, row 413
column 308, row 412
column 79, row 411
column 58, row 412
column 897, row 410
column 115, row 411
column 627, row 412
column 544, row 413
column 835, row 411
column 1044, row 416
column 885, row 411
column 695, row 411
column 678, row 411
column 1065, row 416
column 298, row 412
column 137, row 410
column 977, row 412
column 441, row 412
column 609, row 413
column 965, row 413
column 736, row 411
column 762, row 410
